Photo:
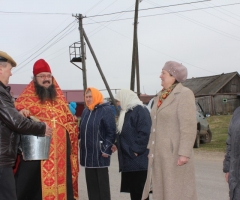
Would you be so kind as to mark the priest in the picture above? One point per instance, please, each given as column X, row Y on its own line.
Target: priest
column 56, row 177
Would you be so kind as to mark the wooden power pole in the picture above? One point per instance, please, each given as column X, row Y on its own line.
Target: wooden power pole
column 135, row 57
column 84, row 72
column 83, row 36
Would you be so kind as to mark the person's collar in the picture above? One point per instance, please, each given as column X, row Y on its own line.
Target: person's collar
column 8, row 88
column 101, row 105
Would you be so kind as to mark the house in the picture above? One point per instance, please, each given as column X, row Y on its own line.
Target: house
column 218, row 94
column 71, row 95
column 146, row 98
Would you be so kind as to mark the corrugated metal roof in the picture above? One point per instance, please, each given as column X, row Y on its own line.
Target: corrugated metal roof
column 209, row 85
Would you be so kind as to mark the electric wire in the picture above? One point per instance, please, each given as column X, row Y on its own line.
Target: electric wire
column 40, row 43
column 46, row 49
column 56, row 42
column 160, row 51
column 147, row 8
column 93, row 6
column 32, row 13
column 139, row 17
column 201, row 24
column 68, row 45
column 173, row 12
column 44, row 13
column 20, row 67
column 102, row 11
column 225, row 12
column 99, row 28
column 217, row 16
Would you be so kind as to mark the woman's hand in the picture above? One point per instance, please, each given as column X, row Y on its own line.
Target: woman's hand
column 182, row 160
column 104, row 155
column 24, row 112
column 226, row 176
column 114, row 148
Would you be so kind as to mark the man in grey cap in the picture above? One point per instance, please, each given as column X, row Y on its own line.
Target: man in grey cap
column 12, row 124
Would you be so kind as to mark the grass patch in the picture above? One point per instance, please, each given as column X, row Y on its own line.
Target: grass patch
column 219, row 127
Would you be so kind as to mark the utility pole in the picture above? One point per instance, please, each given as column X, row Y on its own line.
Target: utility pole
column 100, row 71
column 83, row 36
column 135, row 59
column 84, row 72
column 137, row 69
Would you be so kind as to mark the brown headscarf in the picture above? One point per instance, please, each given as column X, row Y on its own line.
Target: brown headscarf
column 97, row 98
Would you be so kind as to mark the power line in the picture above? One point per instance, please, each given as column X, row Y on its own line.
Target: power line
column 93, row 6
column 49, row 47
column 93, row 30
column 33, row 13
column 103, row 26
column 146, row 9
column 44, row 13
column 17, row 69
column 202, row 24
column 43, row 41
column 103, row 10
column 217, row 17
column 226, row 12
column 58, row 40
column 174, row 12
column 159, row 51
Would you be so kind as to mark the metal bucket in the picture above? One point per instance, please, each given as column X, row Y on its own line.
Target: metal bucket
column 35, row 148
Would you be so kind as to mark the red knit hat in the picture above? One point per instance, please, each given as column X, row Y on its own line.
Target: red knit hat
column 40, row 66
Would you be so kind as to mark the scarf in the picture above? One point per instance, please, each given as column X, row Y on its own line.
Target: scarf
column 164, row 94
column 128, row 100
column 97, row 98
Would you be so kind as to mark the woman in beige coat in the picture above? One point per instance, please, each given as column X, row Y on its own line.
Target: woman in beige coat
column 171, row 173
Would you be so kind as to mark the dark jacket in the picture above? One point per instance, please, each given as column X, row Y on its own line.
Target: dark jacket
column 134, row 139
column 231, row 162
column 11, row 125
column 97, row 134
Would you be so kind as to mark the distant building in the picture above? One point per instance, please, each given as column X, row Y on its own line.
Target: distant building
column 71, row 95
column 218, row 94
column 146, row 98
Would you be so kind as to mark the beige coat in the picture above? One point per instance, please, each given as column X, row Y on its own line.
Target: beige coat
column 173, row 133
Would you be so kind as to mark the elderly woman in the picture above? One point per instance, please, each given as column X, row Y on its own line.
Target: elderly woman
column 171, row 173
column 97, row 134
column 133, row 128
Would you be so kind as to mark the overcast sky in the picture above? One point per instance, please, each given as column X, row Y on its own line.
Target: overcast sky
column 206, row 41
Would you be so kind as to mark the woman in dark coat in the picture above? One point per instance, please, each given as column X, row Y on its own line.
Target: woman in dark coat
column 231, row 163
column 133, row 128
column 97, row 134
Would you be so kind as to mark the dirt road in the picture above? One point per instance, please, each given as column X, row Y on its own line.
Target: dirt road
column 210, row 179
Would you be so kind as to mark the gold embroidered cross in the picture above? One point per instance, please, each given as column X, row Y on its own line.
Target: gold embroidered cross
column 54, row 122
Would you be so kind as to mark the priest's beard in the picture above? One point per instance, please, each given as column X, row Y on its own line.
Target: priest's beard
column 45, row 94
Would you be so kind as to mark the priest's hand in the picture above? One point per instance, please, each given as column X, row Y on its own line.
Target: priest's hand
column 24, row 112
column 48, row 131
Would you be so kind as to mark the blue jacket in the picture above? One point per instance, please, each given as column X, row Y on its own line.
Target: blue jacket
column 134, row 139
column 97, row 134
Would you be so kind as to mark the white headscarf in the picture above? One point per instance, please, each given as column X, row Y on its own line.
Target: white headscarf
column 128, row 100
